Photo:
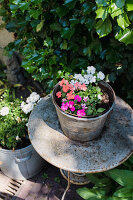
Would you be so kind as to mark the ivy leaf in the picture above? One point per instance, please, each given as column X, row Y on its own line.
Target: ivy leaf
column 55, row 27
column 35, row 13
column 100, row 110
column 101, row 2
column 24, row 6
column 123, row 21
column 70, row 3
column 125, row 36
column 102, row 12
column 11, row 26
column 119, row 3
column 63, row 45
column 115, row 11
column 67, row 33
column 39, row 26
column 62, row 11
column 129, row 5
column 103, row 28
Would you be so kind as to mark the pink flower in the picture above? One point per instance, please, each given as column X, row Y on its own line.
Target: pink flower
column 65, row 88
column 71, row 87
column 85, row 99
column 64, row 106
column 84, row 106
column 62, row 82
column 83, row 87
column 70, row 95
column 77, row 84
column 58, row 94
column 72, row 109
column 71, row 103
column 78, row 98
column 81, row 113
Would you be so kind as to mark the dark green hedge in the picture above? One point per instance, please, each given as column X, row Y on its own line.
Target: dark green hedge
column 57, row 36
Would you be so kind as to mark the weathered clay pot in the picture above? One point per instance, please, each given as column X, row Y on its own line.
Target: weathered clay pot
column 85, row 128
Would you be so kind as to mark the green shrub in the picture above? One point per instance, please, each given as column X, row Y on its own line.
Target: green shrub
column 55, row 37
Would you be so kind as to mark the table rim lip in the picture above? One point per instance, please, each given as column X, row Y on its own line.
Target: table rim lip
column 92, row 171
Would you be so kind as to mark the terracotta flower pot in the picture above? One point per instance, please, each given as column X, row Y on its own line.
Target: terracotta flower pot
column 85, row 128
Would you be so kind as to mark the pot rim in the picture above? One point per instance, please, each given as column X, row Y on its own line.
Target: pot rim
column 17, row 150
column 85, row 118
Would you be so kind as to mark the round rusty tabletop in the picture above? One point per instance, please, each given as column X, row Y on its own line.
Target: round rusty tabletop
column 114, row 146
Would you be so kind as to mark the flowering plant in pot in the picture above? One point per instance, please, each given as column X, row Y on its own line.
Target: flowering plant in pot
column 17, row 156
column 83, row 102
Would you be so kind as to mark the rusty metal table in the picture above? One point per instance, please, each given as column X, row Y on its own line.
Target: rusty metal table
column 113, row 147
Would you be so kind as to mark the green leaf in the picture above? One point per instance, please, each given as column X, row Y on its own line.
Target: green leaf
column 39, row 26
column 124, row 192
column 86, row 193
column 62, row 11
column 35, row 13
column 67, row 33
column 102, row 12
column 89, row 111
column 103, row 28
column 119, row 3
column 100, row 182
column 122, row 177
column 99, row 110
column 11, row 26
column 24, row 6
column 70, row 3
column 123, row 21
column 115, row 11
column 125, row 36
column 55, row 27
column 101, row 2
column 63, row 45
column 129, row 5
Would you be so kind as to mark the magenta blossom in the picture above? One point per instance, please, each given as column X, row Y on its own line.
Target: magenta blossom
column 71, row 103
column 78, row 98
column 85, row 99
column 64, row 106
column 81, row 113
column 72, row 109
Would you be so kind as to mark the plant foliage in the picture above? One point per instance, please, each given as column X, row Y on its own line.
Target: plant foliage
column 55, row 37
column 116, row 184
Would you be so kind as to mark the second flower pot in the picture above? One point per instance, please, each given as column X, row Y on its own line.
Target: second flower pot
column 86, row 128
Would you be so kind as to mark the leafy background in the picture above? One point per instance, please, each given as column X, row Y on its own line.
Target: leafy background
column 60, row 36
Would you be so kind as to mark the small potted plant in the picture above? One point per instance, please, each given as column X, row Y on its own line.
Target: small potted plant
column 83, row 102
column 18, row 159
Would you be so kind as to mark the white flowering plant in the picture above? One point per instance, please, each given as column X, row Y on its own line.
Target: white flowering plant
column 80, row 94
column 14, row 115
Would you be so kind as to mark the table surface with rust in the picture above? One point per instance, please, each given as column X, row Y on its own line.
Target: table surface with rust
column 113, row 147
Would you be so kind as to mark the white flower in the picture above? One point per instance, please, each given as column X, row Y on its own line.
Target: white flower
column 99, row 96
column 27, row 108
column 26, row 124
column 4, row 111
column 34, row 97
column 100, row 75
column 93, row 79
column 91, row 70
column 77, row 76
column 18, row 138
column 73, row 82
